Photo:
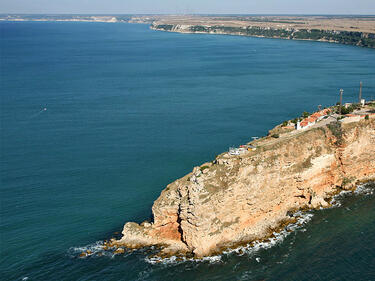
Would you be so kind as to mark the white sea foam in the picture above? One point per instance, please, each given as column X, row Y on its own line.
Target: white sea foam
column 250, row 249
column 365, row 189
column 95, row 249
column 178, row 260
column 336, row 199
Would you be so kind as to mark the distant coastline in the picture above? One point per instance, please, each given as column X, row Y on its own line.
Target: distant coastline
column 332, row 36
column 64, row 18
column 348, row 30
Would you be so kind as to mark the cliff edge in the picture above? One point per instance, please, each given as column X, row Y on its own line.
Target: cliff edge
column 241, row 198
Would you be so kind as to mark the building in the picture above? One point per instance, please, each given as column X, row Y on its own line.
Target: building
column 312, row 119
column 234, row 151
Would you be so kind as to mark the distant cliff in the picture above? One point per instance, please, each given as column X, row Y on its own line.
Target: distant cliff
column 343, row 37
column 238, row 199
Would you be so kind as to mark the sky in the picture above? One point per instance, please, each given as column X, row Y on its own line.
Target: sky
column 366, row 7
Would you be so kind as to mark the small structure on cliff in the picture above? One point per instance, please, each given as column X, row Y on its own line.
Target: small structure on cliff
column 233, row 151
column 237, row 151
column 312, row 119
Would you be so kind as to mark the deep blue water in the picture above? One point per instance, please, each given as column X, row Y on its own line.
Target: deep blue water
column 128, row 111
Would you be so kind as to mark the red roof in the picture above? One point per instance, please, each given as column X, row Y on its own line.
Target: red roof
column 317, row 114
column 313, row 117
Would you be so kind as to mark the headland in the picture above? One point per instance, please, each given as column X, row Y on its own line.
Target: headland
column 249, row 193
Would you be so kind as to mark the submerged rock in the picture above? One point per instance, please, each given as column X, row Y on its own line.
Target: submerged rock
column 83, row 254
column 119, row 251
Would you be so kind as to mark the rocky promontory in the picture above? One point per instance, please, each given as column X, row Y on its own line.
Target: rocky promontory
column 236, row 199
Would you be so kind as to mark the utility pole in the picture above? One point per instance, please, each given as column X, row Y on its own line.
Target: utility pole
column 360, row 93
column 341, row 92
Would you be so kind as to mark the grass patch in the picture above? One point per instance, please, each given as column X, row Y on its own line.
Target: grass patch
column 203, row 168
column 303, row 165
column 307, row 163
column 336, row 130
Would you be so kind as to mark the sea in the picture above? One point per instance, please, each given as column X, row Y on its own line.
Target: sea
column 97, row 118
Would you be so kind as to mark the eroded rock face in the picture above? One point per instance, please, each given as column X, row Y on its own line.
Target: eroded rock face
column 238, row 199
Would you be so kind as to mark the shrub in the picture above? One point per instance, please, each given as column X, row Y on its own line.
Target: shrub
column 285, row 123
column 344, row 110
column 367, row 117
column 275, row 136
column 356, row 106
column 305, row 114
column 203, row 168
column 346, row 181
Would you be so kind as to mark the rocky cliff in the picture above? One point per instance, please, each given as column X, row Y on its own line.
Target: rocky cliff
column 238, row 199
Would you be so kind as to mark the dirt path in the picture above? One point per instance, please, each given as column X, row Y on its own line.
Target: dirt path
column 272, row 141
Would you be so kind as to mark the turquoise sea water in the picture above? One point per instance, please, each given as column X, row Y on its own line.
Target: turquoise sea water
column 128, row 110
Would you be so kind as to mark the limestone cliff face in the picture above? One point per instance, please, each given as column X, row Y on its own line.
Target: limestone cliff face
column 236, row 199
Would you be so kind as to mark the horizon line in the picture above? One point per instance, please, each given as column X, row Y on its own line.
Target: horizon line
column 174, row 14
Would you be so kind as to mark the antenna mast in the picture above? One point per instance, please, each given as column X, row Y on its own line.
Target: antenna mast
column 341, row 92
